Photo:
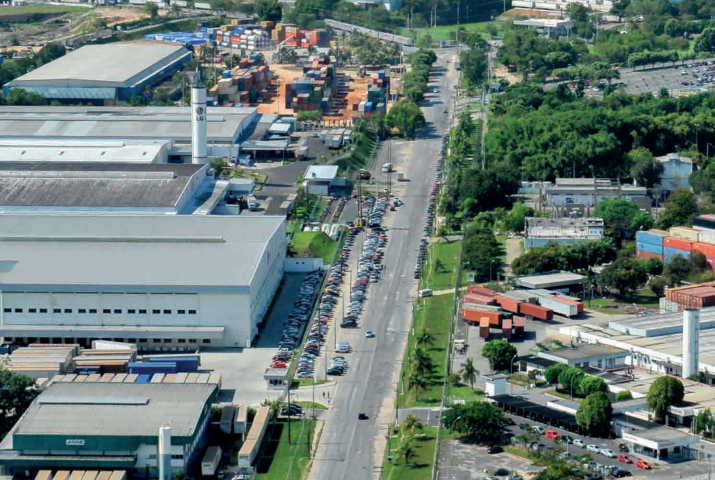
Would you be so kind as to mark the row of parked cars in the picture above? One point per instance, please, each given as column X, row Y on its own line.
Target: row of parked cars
column 292, row 327
column 431, row 207
column 319, row 327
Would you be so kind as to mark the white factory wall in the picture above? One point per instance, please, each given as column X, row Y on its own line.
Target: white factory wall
column 229, row 310
column 267, row 275
column 147, row 457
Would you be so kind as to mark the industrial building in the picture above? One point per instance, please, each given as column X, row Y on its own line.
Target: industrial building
column 103, row 74
column 564, row 282
column 676, row 172
column 319, row 179
column 60, row 429
column 595, row 356
column 542, row 231
column 170, row 282
column 583, row 194
column 69, row 129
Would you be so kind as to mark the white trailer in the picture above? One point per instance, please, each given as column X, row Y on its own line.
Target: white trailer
column 210, row 462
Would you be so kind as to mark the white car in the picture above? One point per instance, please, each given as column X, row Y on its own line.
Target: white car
column 579, row 443
column 539, row 430
column 594, row 448
column 608, row 453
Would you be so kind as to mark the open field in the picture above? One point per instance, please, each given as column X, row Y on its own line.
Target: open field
column 40, row 8
column 644, row 299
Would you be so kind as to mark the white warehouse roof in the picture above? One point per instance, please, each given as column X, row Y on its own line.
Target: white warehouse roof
column 140, row 151
column 321, row 173
column 184, row 252
column 111, row 65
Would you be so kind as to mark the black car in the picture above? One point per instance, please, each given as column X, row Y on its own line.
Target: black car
column 362, row 416
column 567, row 439
column 622, row 474
column 494, row 449
column 523, row 426
column 335, row 371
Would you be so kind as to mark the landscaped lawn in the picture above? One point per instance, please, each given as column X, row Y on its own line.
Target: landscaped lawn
column 463, row 392
column 313, row 244
column 443, row 32
column 445, row 276
column 419, row 466
column 276, row 460
column 434, row 313
column 43, row 8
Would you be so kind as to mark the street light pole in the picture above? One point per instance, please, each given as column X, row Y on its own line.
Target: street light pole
column 511, row 370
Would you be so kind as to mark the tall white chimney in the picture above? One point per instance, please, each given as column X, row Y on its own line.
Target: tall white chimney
column 164, row 456
column 198, row 121
column 691, row 342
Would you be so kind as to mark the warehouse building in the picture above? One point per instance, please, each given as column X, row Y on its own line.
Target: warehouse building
column 102, row 188
column 103, row 74
column 542, row 231
column 585, row 193
column 60, row 428
column 170, row 283
column 68, row 129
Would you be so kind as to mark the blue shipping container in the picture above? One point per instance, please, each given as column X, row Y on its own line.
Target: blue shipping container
column 650, row 237
column 152, row 368
column 143, row 379
column 183, row 364
column 649, row 247
column 669, row 253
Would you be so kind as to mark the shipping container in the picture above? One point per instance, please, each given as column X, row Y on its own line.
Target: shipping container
column 519, row 327
column 707, row 236
column 578, row 303
column 564, row 309
column 649, row 247
column 677, row 243
column 646, row 255
column 183, row 364
column 479, row 299
column 475, row 316
column 480, row 290
column 506, row 329
column 669, row 253
column 537, row 311
column 480, row 307
column 508, row 304
column 484, row 328
column 653, row 237
column 685, row 233
column 148, row 368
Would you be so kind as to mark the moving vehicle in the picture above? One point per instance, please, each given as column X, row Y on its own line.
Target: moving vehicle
column 552, row 434
column 640, row 463
column 425, row 292
column 362, row 416
column 594, row 448
column 369, row 334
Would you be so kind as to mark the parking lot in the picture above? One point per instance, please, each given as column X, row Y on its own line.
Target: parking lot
column 242, row 369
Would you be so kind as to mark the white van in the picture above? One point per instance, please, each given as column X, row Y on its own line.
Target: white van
column 427, row 292
column 386, row 167
column 252, row 203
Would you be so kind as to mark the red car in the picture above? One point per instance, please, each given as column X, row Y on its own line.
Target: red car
column 552, row 434
column 624, row 459
column 642, row 464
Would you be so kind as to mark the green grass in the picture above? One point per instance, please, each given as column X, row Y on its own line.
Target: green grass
column 520, row 452
column 444, row 32
column 434, row 313
column 360, row 157
column 309, row 405
column 463, row 392
column 42, row 8
column 643, row 298
column 305, row 382
column 313, row 245
column 276, row 460
column 420, row 466
column 446, row 276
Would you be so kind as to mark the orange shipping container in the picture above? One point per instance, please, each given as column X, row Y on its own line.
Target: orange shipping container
column 480, row 290
column 678, row 243
column 495, row 318
column 508, row 304
column 537, row 311
column 479, row 299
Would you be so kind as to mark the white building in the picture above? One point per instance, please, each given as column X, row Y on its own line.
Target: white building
column 540, row 231
column 676, row 172
column 169, row 282
column 320, row 178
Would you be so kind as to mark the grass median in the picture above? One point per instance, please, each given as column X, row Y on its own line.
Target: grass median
column 283, row 460
column 419, row 466
column 442, row 265
column 434, row 314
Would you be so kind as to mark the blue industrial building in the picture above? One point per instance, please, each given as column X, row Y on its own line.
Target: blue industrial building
column 104, row 74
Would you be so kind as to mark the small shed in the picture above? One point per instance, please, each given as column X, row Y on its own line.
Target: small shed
column 319, row 179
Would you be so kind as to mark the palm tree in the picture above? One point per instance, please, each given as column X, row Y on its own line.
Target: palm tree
column 416, row 382
column 274, row 405
column 469, row 372
column 422, row 362
column 407, row 451
column 181, row 78
column 424, row 338
column 439, row 265
column 411, row 425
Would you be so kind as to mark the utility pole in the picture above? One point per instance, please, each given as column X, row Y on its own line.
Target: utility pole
column 458, row 5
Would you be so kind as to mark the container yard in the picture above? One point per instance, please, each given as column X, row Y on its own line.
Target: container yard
column 246, row 37
column 289, row 35
column 681, row 241
column 247, row 83
column 378, row 92
column 315, row 89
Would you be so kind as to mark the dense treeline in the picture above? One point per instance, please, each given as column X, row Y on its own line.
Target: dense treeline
column 14, row 68
column 414, row 82
column 547, row 134
column 572, row 258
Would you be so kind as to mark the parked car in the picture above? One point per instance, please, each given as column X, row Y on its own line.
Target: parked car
column 538, row 429
column 593, row 448
column 624, row 458
column 362, row 416
column 552, row 434
column 622, row 474
column 524, row 426
column 567, row 439
column 640, row 463
column 579, row 443
column 494, row 449
column 369, row 334
column 607, row 452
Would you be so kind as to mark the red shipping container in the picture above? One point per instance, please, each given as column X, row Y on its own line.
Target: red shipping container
column 495, row 318
column 479, row 299
column 508, row 304
column 537, row 311
column 480, row 290
column 678, row 244
column 646, row 255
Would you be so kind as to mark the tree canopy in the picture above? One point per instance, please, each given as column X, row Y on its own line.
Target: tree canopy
column 500, row 354
column 594, row 414
column 481, row 421
column 664, row 392
column 406, row 117
column 626, row 275
column 574, row 258
column 622, row 218
column 16, row 394
column 680, row 209
column 552, row 373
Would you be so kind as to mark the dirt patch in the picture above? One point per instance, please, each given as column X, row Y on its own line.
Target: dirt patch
column 116, row 16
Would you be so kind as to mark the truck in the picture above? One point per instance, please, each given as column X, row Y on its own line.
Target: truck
column 210, row 462
column 386, row 167
column 301, row 153
column 252, row 203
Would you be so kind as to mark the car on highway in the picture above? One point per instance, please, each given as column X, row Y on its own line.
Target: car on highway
column 607, row 452
column 362, row 416
column 552, row 434
column 640, row 463
column 369, row 334
column 494, row 449
column 579, row 443
column 624, row 458
column 594, row 448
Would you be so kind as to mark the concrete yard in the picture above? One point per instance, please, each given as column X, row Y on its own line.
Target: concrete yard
column 242, row 369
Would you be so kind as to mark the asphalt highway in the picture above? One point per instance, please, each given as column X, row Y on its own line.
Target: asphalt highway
column 349, row 447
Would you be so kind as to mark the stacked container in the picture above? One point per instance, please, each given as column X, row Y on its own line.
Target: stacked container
column 649, row 244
